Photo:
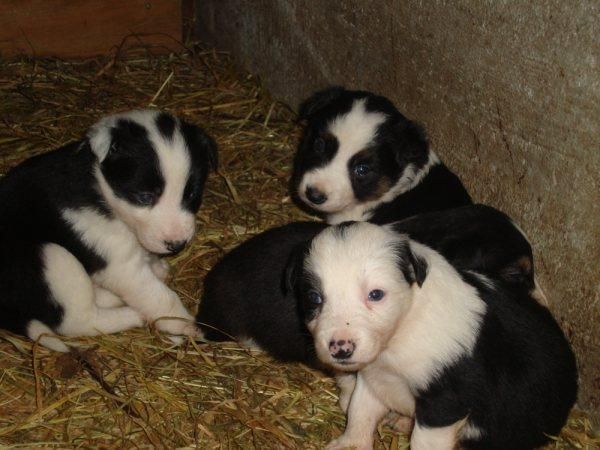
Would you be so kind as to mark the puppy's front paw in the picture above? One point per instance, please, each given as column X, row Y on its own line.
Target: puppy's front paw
column 177, row 326
column 343, row 443
column 182, row 326
column 398, row 422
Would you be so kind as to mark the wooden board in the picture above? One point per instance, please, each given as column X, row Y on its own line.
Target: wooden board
column 75, row 28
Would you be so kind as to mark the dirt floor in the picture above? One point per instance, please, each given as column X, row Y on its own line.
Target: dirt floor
column 135, row 389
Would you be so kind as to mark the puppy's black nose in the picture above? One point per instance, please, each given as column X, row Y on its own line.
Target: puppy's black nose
column 175, row 247
column 341, row 349
column 315, row 196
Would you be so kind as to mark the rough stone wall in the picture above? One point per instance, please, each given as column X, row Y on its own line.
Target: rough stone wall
column 509, row 92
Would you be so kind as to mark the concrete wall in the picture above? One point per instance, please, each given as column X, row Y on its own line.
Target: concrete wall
column 509, row 92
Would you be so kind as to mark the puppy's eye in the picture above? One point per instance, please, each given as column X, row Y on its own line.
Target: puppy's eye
column 362, row 170
column 319, row 145
column 145, row 198
column 376, row 294
column 314, row 298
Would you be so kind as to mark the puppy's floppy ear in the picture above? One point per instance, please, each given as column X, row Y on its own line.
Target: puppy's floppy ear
column 99, row 137
column 293, row 268
column 115, row 135
column 319, row 100
column 413, row 266
column 212, row 152
column 411, row 144
column 198, row 141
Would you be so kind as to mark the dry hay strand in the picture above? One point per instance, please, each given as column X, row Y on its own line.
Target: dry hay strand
column 136, row 389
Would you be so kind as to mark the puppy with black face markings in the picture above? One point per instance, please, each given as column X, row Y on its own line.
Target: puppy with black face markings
column 473, row 359
column 82, row 228
column 360, row 159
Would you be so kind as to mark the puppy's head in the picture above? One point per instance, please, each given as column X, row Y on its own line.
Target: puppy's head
column 355, row 282
column 356, row 148
column 151, row 169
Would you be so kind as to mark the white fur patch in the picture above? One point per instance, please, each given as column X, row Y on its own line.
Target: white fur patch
column 441, row 325
column 38, row 331
column 441, row 438
column 72, row 289
column 470, row 431
column 354, row 132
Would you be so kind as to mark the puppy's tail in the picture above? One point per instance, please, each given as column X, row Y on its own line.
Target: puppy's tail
column 38, row 331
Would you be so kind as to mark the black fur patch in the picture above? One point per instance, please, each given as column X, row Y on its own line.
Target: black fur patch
column 131, row 167
column 203, row 151
column 412, row 266
column 475, row 237
column 251, row 293
column 165, row 123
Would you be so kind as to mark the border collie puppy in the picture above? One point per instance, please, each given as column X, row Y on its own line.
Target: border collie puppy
column 473, row 359
column 360, row 159
column 82, row 228
column 245, row 296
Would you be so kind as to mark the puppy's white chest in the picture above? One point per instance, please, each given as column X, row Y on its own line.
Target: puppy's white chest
column 390, row 387
column 110, row 238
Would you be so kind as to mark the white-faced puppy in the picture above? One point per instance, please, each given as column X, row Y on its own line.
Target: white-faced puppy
column 360, row 159
column 245, row 295
column 473, row 359
column 82, row 228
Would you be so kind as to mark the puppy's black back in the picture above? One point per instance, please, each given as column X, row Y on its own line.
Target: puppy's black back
column 439, row 190
column 521, row 381
column 475, row 237
column 34, row 194
column 244, row 295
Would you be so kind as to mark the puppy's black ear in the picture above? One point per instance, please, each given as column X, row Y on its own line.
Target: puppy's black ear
column 413, row 266
column 293, row 268
column 411, row 144
column 212, row 152
column 198, row 141
column 319, row 100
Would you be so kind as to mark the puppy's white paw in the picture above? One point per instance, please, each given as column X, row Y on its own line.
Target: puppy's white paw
column 343, row 443
column 182, row 326
column 398, row 422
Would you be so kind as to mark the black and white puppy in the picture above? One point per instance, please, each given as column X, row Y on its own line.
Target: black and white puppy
column 245, row 298
column 472, row 358
column 245, row 295
column 82, row 228
column 360, row 159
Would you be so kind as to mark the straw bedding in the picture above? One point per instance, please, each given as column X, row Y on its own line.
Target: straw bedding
column 135, row 389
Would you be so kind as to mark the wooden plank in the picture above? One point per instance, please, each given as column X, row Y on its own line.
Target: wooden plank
column 69, row 28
